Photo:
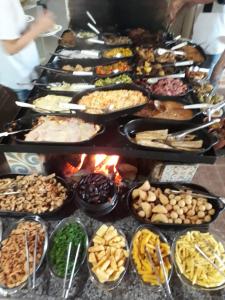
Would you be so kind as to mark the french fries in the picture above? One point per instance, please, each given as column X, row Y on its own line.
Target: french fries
column 193, row 265
column 145, row 241
column 108, row 254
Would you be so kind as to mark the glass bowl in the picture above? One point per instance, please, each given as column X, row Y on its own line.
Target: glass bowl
column 183, row 278
column 108, row 286
column 5, row 291
column 61, row 225
column 163, row 239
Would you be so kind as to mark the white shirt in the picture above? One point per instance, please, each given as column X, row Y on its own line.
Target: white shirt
column 209, row 28
column 17, row 68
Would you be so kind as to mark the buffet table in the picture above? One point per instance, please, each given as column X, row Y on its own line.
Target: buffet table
column 112, row 141
column 131, row 287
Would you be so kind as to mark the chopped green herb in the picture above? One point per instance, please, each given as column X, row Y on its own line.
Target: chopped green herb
column 59, row 248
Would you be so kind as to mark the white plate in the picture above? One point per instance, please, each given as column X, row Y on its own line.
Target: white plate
column 55, row 29
column 29, row 18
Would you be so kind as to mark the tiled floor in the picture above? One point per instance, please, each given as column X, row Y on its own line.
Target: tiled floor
column 212, row 177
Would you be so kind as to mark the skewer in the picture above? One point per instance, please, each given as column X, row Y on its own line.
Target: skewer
column 209, row 260
column 67, row 266
column 167, row 286
column 27, row 259
column 35, row 259
column 72, row 273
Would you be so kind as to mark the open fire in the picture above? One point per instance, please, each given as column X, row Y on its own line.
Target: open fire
column 97, row 163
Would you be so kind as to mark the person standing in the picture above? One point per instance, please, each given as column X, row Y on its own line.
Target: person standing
column 18, row 52
column 208, row 28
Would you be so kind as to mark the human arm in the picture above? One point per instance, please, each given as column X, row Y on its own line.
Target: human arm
column 43, row 23
column 218, row 69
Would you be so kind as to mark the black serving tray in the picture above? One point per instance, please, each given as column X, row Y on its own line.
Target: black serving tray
column 218, row 205
column 131, row 128
column 30, row 122
column 55, row 71
column 103, row 118
column 66, row 209
column 109, row 143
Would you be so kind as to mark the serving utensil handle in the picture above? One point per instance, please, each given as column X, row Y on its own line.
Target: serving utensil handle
column 23, row 104
column 180, row 135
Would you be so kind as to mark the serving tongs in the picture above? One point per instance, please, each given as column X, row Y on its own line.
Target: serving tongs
column 73, row 106
column 180, row 135
column 75, row 73
column 156, row 79
column 180, row 63
column 214, row 252
column 153, row 266
column 6, row 133
column 161, row 262
column 66, row 291
column 90, row 16
column 28, row 261
column 95, row 54
column 203, row 254
column 181, row 45
column 176, row 38
column 93, row 28
column 162, row 51
column 32, row 106
column 209, row 109
column 182, row 189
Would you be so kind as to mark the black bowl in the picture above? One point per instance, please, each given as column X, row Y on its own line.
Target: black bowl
column 97, row 210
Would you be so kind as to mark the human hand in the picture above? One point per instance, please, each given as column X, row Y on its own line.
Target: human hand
column 44, row 22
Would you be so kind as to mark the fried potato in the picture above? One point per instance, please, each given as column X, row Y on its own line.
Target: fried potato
column 145, row 242
column 108, row 254
column 193, row 265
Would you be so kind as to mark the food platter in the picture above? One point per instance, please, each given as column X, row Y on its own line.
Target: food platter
column 45, row 215
column 218, row 206
column 133, row 127
column 32, row 122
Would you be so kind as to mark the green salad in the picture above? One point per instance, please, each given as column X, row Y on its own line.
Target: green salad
column 59, row 247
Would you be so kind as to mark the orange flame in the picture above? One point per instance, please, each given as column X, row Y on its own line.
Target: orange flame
column 70, row 169
column 107, row 165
